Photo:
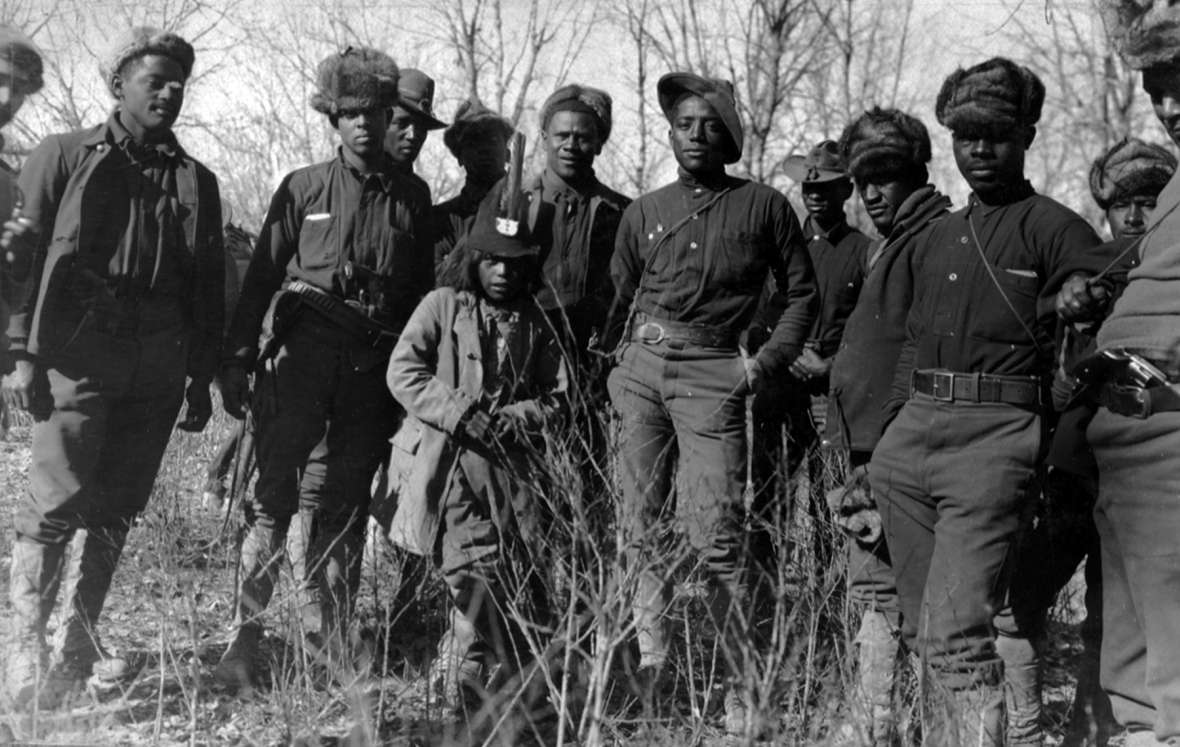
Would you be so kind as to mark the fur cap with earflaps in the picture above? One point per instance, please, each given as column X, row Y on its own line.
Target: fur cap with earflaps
column 1146, row 33
column 23, row 59
column 358, row 78
column 1131, row 167
column 885, row 141
column 141, row 41
column 472, row 119
column 994, row 95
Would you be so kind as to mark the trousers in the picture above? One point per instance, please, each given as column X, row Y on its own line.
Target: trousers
column 1138, row 520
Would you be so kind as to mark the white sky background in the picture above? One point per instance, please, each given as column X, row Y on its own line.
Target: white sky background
column 945, row 34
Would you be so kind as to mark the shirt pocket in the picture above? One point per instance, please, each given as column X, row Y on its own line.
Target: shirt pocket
column 996, row 319
column 738, row 262
column 318, row 242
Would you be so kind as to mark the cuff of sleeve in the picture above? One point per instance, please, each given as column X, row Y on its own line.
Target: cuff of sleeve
column 462, row 410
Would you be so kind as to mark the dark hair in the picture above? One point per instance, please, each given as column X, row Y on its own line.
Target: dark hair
column 460, row 270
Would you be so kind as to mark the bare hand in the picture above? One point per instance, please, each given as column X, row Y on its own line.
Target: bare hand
column 478, row 426
column 753, row 373
column 809, row 365
column 235, row 390
column 12, row 239
column 1081, row 300
column 198, row 407
column 18, row 386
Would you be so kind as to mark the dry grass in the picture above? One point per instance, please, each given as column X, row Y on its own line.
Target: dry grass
column 172, row 596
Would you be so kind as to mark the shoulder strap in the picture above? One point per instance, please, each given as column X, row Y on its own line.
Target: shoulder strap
column 999, row 287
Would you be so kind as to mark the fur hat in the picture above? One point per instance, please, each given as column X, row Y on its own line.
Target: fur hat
column 996, row 94
column 1145, row 32
column 719, row 93
column 23, row 59
column 822, row 164
column 576, row 98
column 141, row 41
column 357, row 78
column 1130, row 167
column 471, row 119
column 885, row 141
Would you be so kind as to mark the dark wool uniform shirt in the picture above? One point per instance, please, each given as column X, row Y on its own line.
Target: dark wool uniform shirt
column 711, row 270
column 862, row 371
column 321, row 219
column 452, row 219
column 959, row 320
column 839, row 257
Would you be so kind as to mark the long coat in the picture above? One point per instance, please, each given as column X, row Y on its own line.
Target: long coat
column 436, row 372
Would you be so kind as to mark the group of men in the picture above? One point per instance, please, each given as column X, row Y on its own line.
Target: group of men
column 981, row 366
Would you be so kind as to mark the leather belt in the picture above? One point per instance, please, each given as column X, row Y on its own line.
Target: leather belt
column 949, row 386
column 653, row 331
column 1137, row 401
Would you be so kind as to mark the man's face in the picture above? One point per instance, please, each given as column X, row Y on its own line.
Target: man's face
column 700, row 141
column 571, row 142
column 1128, row 216
column 825, row 200
column 362, row 131
column 405, row 136
column 992, row 161
column 483, row 154
column 882, row 196
column 1162, row 84
column 11, row 94
column 150, row 91
column 503, row 278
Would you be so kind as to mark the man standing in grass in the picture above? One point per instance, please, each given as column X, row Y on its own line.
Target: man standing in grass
column 125, row 301
column 690, row 263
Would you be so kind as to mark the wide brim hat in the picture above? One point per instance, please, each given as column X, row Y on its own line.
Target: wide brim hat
column 672, row 87
column 415, row 93
column 823, row 163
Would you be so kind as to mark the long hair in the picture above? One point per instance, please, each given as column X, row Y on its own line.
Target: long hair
column 460, row 270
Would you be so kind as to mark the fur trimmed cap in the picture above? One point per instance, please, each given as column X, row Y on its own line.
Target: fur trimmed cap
column 718, row 93
column 1130, row 167
column 471, row 119
column 23, row 59
column 357, row 78
column 823, row 163
column 885, row 141
column 1145, row 32
column 141, row 41
column 996, row 94
column 577, row 98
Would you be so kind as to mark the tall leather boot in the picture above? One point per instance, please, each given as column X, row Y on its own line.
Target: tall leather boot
column 258, row 571
column 94, row 555
column 1022, row 680
column 33, row 585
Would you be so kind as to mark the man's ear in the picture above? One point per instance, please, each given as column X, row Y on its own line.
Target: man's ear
column 1030, row 134
column 117, row 86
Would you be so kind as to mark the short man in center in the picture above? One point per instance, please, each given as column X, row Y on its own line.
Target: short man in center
column 689, row 266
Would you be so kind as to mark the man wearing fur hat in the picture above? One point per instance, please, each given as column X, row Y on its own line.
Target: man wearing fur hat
column 838, row 252
column 342, row 258
column 478, row 139
column 955, row 471
column 887, row 152
column 118, row 314
column 1135, row 433
column 690, row 263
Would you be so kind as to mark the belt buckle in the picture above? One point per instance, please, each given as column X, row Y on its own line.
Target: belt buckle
column 1129, row 401
column 942, row 386
column 651, row 327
